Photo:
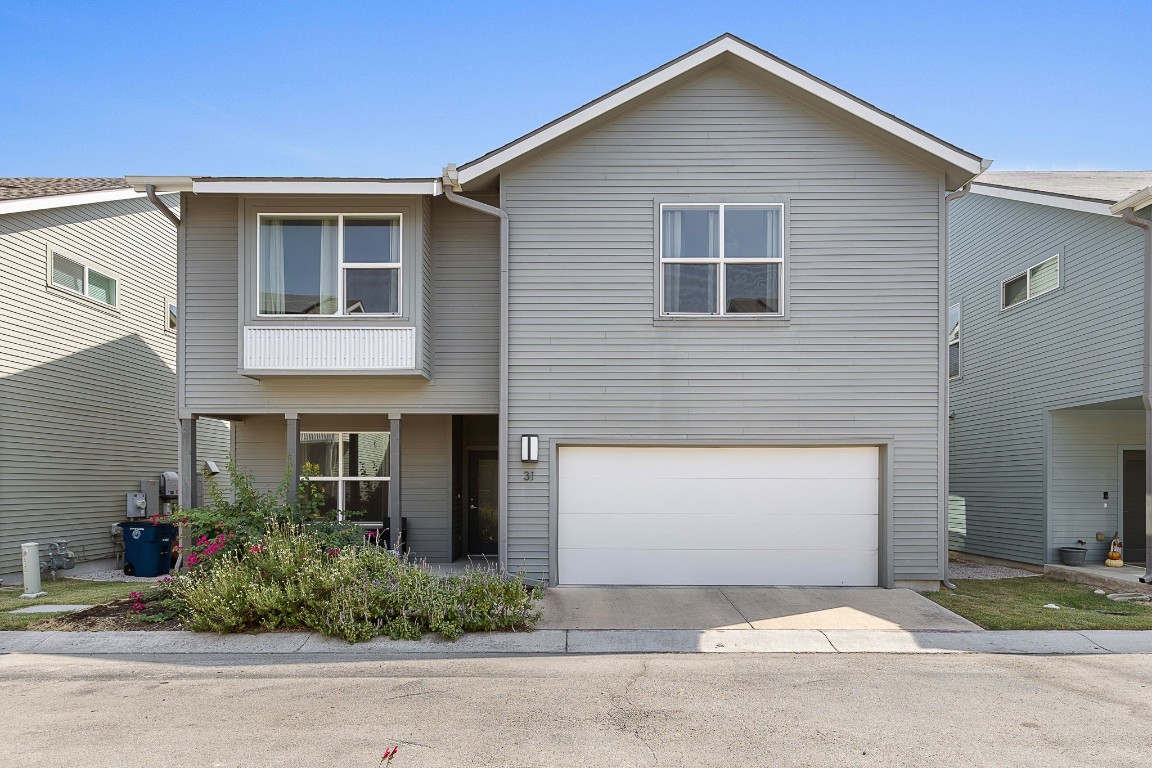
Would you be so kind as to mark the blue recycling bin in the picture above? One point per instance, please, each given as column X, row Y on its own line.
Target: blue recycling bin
column 148, row 548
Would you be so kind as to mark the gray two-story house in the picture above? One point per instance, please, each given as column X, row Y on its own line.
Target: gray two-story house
column 689, row 333
column 1049, row 383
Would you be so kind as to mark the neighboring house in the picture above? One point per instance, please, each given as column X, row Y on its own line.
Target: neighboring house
column 87, row 360
column 705, row 347
column 1047, row 292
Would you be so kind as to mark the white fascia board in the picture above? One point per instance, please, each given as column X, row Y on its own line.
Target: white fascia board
column 1135, row 201
column 777, row 68
column 1043, row 198
column 161, row 183
column 342, row 187
column 63, row 201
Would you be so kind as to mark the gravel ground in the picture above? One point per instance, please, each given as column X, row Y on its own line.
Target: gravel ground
column 113, row 575
column 962, row 569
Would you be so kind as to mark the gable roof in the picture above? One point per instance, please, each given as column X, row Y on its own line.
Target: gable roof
column 1088, row 191
column 30, row 193
column 960, row 166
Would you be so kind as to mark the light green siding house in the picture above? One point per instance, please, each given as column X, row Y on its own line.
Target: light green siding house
column 690, row 333
column 87, row 360
column 1048, row 297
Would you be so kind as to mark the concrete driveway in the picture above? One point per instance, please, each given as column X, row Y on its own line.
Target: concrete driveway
column 745, row 608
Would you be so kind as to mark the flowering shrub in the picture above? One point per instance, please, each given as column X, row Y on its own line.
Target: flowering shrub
column 292, row 578
column 235, row 525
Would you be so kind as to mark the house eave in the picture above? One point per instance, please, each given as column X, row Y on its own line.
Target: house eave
column 1136, row 201
column 1050, row 199
column 64, row 201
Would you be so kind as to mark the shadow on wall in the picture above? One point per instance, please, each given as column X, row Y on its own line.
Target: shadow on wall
column 77, row 434
column 33, row 221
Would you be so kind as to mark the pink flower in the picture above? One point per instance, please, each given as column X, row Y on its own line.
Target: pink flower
column 138, row 596
column 256, row 548
column 333, row 551
column 137, row 606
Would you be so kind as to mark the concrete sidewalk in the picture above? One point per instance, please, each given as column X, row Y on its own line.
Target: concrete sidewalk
column 583, row 641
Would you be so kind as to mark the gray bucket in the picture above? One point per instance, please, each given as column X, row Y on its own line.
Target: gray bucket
column 1073, row 555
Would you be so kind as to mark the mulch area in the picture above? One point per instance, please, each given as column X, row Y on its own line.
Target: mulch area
column 117, row 615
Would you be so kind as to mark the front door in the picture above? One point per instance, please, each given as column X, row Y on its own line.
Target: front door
column 483, row 504
column 1134, row 488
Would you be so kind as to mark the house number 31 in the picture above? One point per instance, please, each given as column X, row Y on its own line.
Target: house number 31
column 529, row 474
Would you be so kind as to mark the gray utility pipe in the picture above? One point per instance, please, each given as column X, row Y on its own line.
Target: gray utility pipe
column 946, row 400
column 150, row 191
column 451, row 185
column 1129, row 215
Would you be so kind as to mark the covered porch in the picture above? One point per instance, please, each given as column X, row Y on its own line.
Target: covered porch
column 431, row 477
column 1096, row 472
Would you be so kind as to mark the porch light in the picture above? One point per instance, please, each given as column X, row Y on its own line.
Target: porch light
column 529, row 448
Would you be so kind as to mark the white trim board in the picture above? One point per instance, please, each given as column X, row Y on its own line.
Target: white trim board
column 748, row 53
column 1050, row 199
column 64, row 201
column 336, row 187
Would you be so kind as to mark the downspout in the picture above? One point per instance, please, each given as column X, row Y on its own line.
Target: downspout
column 150, row 191
column 1129, row 216
column 451, row 187
column 946, row 399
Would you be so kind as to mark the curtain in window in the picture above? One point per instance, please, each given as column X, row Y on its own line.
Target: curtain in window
column 329, row 268
column 272, row 268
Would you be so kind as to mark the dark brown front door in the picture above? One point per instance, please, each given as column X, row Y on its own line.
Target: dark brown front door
column 1134, row 520
column 483, row 504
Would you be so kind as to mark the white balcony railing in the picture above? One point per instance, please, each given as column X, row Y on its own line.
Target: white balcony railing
column 336, row 349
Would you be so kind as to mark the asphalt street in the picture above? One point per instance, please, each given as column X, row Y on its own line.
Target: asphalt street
column 642, row 710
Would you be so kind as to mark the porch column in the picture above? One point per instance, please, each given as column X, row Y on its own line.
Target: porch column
column 292, row 448
column 186, row 464
column 395, row 515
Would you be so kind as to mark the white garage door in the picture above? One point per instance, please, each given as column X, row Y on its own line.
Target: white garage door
column 753, row 516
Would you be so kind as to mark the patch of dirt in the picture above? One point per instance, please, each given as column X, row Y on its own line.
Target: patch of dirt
column 117, row 615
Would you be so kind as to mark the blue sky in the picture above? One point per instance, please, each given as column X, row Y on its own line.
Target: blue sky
column 363, row 88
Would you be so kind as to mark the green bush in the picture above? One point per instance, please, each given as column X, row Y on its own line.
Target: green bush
column 293, row 577
column 226, row 525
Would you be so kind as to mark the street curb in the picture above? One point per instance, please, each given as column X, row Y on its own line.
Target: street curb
column 588, row 641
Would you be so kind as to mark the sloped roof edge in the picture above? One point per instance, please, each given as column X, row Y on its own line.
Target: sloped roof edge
column 965, row 162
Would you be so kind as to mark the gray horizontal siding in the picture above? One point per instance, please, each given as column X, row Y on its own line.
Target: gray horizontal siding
column 463, row 324
column 1078, row 345
column 857, row 361
column 87, row 394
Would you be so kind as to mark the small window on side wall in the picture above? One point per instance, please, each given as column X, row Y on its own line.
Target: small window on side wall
column 171, row 315
column 76, row 277
column 954, row 341
column 1035, row 281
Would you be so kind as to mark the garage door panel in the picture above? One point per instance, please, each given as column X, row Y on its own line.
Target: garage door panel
column 718, row 515
column 717, row 463
column 680, row 495
column 782, row 532
column 702, row 567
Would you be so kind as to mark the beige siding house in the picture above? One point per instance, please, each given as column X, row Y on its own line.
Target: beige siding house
column 87, row 360
column 690, row 333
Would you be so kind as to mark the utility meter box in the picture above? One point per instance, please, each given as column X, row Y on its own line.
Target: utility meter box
column 169, row 486
column 151, row 491
column 137, row 506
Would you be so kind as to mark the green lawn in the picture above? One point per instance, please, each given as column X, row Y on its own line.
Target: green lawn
column 60, row 592
column 1019, row 604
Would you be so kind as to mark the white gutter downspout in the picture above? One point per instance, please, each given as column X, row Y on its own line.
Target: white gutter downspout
column 946, row 400
column 1129, row 216
column 150, row 191
column 451, row 186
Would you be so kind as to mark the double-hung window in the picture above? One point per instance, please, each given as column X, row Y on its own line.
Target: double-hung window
column 1033, row 282
column 721, row 259
column 77, row 277
column 329, row 264
column 351, row 473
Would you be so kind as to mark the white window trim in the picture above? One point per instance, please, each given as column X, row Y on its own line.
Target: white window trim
column 52, row 250
column 721, row 261
column 340, row 298
column 167, row 303
column 958, row 343
column 341, row 479
column 1027, row 275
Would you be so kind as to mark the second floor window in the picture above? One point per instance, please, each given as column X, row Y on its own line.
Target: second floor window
column 1037, row 280
column 332, row 264
column 954, row 341
column 721, row 259
column 74, row 276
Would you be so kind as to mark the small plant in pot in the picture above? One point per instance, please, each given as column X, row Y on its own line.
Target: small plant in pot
column 1074, row 555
